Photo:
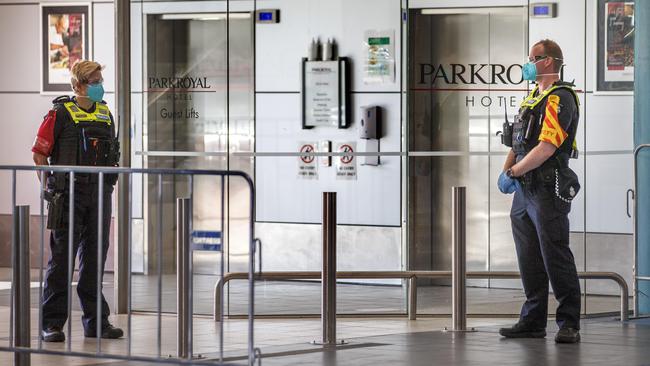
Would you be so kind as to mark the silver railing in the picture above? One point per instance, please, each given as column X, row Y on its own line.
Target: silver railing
column 411, row 276
column 20, row 311
column 458, row 273
column 635, row 198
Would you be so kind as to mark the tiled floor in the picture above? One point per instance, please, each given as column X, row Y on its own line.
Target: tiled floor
column 370, row 342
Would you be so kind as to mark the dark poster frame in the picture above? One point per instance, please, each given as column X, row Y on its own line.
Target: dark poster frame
column 47, row 10
column 601, row 84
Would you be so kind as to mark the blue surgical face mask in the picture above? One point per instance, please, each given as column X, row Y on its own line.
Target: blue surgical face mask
column 95, row 92
column 529, row 70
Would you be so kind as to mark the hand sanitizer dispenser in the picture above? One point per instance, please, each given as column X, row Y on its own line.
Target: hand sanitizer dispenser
column 370, row 133
column 370, row 123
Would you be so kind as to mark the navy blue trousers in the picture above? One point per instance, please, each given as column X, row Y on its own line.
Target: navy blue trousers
column 55, row 291
column 540, row 226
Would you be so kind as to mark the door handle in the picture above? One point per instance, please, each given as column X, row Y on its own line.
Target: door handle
column 627, row 201
column 258, row 246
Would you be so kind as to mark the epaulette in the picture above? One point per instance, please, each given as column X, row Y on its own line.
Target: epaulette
column 62, row 99
column 565, row 83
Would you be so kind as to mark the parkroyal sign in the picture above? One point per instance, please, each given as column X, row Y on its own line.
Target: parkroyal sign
column 470, row 74
column 187, row 83
column 474, row 78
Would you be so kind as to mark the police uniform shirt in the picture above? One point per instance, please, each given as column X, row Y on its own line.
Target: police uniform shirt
column 560, row 113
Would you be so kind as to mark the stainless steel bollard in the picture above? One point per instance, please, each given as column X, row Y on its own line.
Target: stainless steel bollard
column 183, row 283
column 328, row 310
column 21, row 284
column 458, row 268
column 413, row 298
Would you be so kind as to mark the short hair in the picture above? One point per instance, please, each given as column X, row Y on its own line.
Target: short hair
column 552, row 49
column 82, row 69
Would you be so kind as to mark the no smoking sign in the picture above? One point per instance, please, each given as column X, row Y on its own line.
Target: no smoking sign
column 307, row 167
column 346, row 159
column 346, row 165
column 307, row 148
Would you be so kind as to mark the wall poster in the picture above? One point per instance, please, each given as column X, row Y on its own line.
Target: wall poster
column 65, row 39
column 615, row 46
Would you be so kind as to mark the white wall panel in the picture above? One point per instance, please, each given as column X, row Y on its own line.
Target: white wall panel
column 608, row 177
column 137, row 46
column 590, row 45
column 23, row 121
column 568, row 30
column 104, row 41
column 280, row 47
column 609, row 122
column 610, row 253
column 353, row 245
column 577, row 214
column 373, row 199
column 20, row 42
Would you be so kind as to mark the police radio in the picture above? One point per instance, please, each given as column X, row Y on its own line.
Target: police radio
column 506, row 134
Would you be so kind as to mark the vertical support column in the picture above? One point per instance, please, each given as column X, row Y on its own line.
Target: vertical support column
column 123, row 101
column 642, row 136
column 183, row 258
column 328, row 310
column 21, row 284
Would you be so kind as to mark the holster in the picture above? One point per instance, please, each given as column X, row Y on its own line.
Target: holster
column 556, row 175
column 113, row 160
column 55, row 210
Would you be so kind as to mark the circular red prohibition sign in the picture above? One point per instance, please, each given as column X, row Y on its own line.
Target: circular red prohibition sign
column 307, row 149
column 346, row 159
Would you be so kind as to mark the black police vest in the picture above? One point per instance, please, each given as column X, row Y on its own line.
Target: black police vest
column 529, row 123
column 86, row 139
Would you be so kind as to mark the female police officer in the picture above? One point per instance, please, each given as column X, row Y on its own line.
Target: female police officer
column 77, row 131
column 542, row 140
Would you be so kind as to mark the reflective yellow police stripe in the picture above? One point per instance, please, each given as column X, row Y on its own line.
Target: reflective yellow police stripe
column 101, row 113
column 531, row 100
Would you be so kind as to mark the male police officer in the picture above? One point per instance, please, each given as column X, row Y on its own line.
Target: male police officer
column 77, row 131
column 542, row 140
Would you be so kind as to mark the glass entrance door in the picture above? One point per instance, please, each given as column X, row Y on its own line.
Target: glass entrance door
column 464, row 74
column 197, row 111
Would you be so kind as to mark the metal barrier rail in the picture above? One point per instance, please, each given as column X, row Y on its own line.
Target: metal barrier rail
column 635, row 197
column 19, row 298
column 411, row 276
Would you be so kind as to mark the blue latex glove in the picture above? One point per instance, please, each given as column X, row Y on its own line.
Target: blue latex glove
column 507, row 185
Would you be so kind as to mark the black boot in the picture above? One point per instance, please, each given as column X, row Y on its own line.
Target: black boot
column 521, row 330
column 108, row 332
column 53, row 334
column 567, row 335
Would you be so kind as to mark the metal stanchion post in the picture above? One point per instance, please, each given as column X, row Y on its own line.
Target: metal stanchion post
column 328, row 307
column 21, row 280
column 459, row 266
column 183, row 257
column 413, row 298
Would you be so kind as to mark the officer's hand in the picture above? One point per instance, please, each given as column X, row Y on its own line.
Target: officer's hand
column 507, row 185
